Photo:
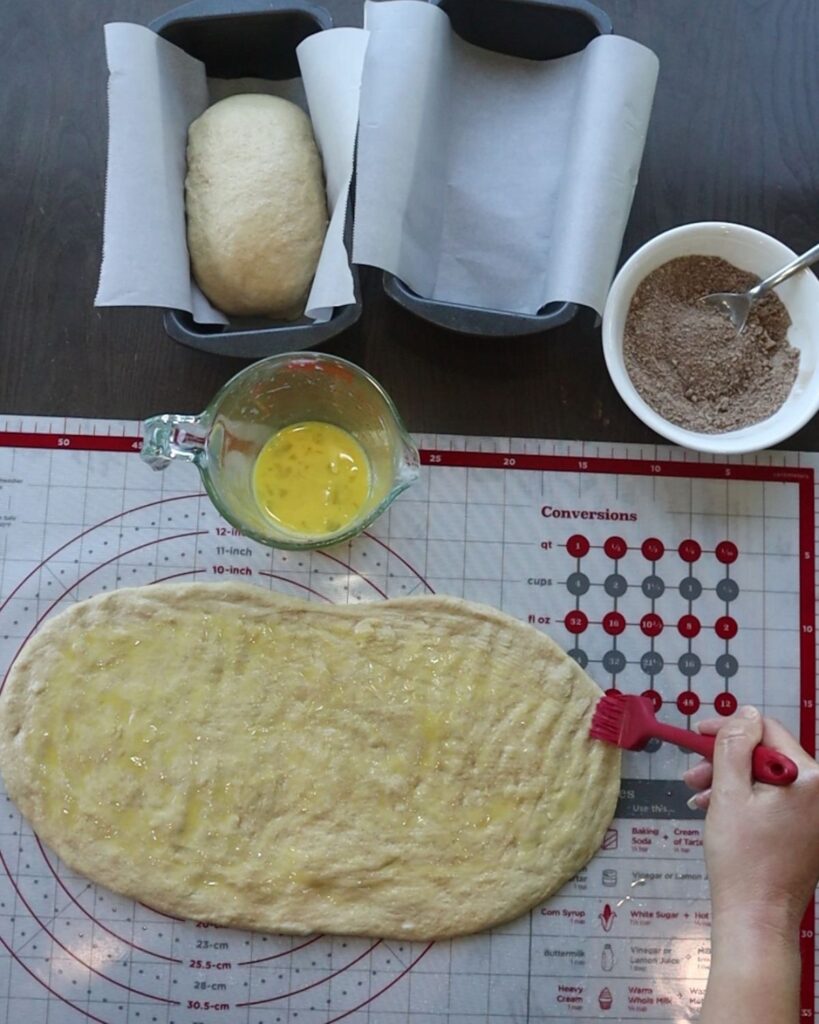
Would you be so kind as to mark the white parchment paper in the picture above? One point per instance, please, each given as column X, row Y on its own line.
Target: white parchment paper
column 331, row 65
column 155, row 90
column 495, row 181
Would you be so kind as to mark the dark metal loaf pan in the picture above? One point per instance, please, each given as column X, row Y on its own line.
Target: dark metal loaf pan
column 249, row 39
column 537, row 30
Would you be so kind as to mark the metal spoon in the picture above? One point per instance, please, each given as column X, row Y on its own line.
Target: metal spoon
column 738, row 305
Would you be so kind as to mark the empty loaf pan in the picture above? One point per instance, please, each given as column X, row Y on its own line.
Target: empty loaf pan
column 536, row 30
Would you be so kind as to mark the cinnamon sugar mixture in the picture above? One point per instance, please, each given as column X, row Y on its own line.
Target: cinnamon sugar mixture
column 687, row 360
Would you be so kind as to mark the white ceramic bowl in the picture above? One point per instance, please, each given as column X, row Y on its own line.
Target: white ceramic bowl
column 749, row 250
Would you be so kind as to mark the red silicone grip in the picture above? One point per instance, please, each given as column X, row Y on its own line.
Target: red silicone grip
column 769, row 765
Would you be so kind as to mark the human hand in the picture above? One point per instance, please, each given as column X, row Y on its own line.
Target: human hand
column 761, row 841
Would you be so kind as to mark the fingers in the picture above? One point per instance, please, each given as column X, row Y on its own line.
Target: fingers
column 736, row 740
column 774, row 735
column 699, row 775
column 777, row 736
column 737, row 737
column 710, row 726
column 700, row 801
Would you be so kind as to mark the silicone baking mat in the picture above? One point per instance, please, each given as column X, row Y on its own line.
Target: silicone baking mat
column 689, row 578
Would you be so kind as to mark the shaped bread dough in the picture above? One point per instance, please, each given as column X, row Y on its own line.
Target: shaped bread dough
column 256, row 207
column 417, row 769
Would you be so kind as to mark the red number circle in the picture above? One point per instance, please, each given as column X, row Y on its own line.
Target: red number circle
column 577, row 545
column 615, row 547
column 689, row 625
column 727, row 552
column 725, row 704
column 651, row 624
column 688, row 702
column 726, row 627
column 614, row 623
column 576, row 622
column 652, row 549
column 689, row 551
column 654, row 697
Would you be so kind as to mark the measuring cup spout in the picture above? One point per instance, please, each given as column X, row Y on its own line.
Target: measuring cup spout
column 169, row 437
column 409, row 465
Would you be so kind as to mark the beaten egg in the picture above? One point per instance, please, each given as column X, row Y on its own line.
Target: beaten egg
column 312, row 478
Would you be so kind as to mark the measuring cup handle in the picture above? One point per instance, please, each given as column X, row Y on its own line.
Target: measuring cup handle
column 169, row 437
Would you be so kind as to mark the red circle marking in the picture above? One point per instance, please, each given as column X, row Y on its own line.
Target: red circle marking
column 651, row 624
column 52, row 935
column 652, row 549
column 725, row 704
column 293, row 583
column 727, row 552
column 576, row 622
column 354, row 572
column 45, row 858
column 615, row 547
column 161, row 913
column 613, row 692
column 90, row 916
column 174, row 576
column 726, row 627
column 82, row 579
column 314, row 984
column 47, row 987
column 688, row 702
column 654, row 697
column 614, row 623
column 577, row 545
column 284, row 952
column 59, row 881
column 283, row 579
column 689, row 625
column 403, row 561
column 90, row 529
column 54, row 603
column 381, row 991
column 689, row 551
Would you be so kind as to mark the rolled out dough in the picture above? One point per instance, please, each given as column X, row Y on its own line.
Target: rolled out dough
column 418, row 768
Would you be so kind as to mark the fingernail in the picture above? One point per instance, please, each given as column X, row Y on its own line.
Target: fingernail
column 748, row 711
column 693, row 804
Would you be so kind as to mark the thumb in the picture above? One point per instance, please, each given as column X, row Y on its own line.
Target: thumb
column 732, row 754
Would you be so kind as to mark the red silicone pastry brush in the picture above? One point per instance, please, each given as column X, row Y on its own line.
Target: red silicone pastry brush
column 629, row 722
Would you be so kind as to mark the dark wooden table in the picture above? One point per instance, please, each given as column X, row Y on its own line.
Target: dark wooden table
column 733, row 137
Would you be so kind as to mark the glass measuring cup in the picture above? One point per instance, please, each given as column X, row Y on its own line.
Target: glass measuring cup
column 225, row 440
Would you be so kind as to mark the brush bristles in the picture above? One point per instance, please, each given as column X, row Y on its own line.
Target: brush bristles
column 607, row 719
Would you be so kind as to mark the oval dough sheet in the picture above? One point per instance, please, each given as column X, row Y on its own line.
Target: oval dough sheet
column 417, row 768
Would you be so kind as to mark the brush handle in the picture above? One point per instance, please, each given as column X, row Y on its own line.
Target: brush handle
column 768, row 764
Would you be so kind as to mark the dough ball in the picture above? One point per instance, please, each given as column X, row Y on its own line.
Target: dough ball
column 256, row 206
